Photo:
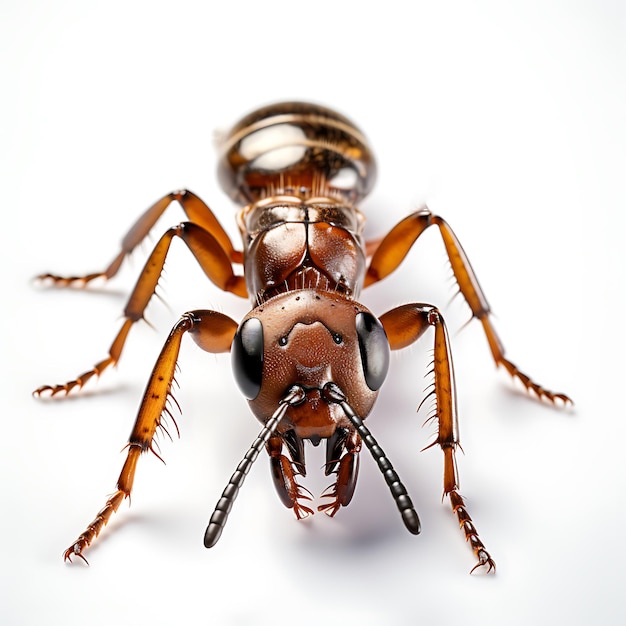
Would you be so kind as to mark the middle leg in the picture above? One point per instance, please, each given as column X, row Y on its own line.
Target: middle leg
column 405, row 325
column 392, row 250
column 213, row 259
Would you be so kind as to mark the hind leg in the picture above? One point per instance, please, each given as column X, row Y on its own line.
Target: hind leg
column 196, row 210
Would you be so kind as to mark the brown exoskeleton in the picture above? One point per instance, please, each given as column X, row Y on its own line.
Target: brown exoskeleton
column 309, row 357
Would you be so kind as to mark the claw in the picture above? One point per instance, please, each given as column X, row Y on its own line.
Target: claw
column 76, row 550
column 78, row 383
column 330, row 508
column 53, row 390
column 484, row 559
column 530, row 385
column 78, row 282
column 301, row 511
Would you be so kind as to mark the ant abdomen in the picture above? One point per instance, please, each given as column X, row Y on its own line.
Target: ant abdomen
column 296, row 148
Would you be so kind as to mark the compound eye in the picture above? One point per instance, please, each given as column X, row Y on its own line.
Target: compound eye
column 374, row 349
column 247, row 357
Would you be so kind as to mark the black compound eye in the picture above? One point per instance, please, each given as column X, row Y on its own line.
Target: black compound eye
column 247, row 357
column 374, row 349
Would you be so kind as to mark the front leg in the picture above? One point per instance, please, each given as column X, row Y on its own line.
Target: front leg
column 213, row 332
column 284, row 473
column 405, row 325
column 392, row 250
column 342, row 459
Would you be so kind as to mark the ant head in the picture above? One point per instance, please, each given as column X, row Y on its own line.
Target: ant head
column 310, row 339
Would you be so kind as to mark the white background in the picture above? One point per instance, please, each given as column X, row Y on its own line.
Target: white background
column 508, row 119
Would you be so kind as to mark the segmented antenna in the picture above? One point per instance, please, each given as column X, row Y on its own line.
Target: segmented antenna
column 409, row 515
column 222, row 509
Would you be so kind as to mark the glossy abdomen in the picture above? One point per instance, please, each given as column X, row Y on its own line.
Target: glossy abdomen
column 295, row 148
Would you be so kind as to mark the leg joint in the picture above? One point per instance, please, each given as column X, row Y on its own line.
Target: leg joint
column 434, row 317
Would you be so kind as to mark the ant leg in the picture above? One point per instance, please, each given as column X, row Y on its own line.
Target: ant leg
column 405, row 325
column 213, row 259
column 213, row 332
column 345, row 466
column 392, row 250
column 284, row 472
column 196, row 210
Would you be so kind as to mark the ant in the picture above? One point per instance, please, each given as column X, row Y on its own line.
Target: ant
column 309, row 357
